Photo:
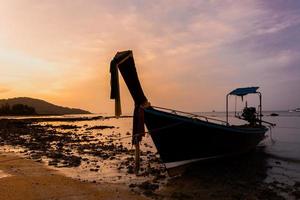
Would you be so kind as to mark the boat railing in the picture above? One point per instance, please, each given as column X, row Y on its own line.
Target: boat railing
column 192, row 115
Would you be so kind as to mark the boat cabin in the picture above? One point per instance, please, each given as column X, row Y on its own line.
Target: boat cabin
column 249, row 114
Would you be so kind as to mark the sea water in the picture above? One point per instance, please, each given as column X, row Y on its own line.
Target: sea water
column 284, row 152
column 282, row 144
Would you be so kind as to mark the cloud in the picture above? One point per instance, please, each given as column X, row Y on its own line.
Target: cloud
column 184, row 50
column 4, row 89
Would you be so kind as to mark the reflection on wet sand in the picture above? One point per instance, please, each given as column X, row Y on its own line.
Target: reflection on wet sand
column 237, row 178
column 3, row 175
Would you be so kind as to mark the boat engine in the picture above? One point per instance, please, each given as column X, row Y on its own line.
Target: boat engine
column 249, row 114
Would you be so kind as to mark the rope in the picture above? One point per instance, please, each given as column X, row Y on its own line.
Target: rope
column 112, row 140
column 146, row 132
column 192, row 115
column 235, row 106
column 164, row 127
column 288, row 127
column 271, row 135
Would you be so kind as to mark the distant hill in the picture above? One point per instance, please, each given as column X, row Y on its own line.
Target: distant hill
column 42, row 107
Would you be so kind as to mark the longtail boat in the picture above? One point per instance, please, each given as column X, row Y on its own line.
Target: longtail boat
column 182, row 138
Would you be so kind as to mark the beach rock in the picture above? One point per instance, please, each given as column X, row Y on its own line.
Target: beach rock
column 297, row 184
column 101, row 127
column 296, row 194
column 132, row 185
column 66, row 126
column 160, row 177
column 180, row 195
column 74, row 161
column 112, row 158
column 53, row 162
column 59, row 145
column 130, row 169
column 147, row 185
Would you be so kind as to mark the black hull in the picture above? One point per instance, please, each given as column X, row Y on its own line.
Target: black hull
column 181, row 140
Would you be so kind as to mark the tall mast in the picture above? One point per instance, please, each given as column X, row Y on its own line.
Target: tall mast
column 125, row 63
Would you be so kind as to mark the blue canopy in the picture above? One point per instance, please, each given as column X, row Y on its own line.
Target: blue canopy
column 244, row 91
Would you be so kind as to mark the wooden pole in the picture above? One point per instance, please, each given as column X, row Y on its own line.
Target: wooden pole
column 227, row 109
column 137, row 157
column 260, row 108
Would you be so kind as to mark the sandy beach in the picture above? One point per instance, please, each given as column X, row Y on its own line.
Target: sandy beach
column 25, row 179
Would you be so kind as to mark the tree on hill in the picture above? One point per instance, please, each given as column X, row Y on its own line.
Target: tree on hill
column 17, row 109
column 5, row 109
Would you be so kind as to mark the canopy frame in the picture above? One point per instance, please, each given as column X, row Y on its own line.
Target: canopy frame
column 243, row 92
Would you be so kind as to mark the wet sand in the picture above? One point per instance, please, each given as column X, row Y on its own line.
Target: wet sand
column 26, row 179
column 238, row 178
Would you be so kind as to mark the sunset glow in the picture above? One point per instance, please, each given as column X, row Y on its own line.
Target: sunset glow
column 189, row 54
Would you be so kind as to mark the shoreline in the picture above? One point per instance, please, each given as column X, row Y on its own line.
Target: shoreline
column 54, row 118
column 25, row 178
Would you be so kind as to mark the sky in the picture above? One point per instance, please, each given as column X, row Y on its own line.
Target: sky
column 189, row 54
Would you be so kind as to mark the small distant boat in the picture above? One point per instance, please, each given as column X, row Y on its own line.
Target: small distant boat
column 180, row 137
column 274, row 114
column 295, row 110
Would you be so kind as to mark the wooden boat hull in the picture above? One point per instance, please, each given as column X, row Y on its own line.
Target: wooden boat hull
column 181, row 140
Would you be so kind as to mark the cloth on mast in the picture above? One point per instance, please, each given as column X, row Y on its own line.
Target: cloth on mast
column 115, row 87
column 124, row 62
